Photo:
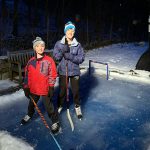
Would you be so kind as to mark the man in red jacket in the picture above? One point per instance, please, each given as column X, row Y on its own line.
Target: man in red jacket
column 39, row 80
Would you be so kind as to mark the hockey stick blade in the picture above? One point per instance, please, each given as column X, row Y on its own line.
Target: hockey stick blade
column 70, row 120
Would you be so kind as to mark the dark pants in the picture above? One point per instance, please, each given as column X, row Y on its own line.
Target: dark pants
column 74, row 87
column 53, row 115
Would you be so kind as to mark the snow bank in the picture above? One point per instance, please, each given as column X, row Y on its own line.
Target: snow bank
column 12, row 98
column 8, row 142
column 4, row 84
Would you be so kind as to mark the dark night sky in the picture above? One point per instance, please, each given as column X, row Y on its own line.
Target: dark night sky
column 92, row 8
column 98, row 19
column 102, row 10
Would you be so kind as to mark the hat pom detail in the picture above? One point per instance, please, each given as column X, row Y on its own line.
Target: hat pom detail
column 69, row 25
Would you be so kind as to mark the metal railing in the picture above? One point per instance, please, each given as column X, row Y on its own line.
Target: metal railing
column 107, row 70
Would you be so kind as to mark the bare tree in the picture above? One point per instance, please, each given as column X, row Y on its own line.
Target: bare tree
column 15, row 18
column 47, row 21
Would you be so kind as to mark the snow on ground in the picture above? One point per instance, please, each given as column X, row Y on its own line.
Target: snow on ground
column 116, row 112
column 7, row 83
column 8, row 142
column 119, row 56
column 121, row 59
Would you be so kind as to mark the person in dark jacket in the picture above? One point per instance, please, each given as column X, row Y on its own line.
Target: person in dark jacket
column 39, row 80
column 69, row 52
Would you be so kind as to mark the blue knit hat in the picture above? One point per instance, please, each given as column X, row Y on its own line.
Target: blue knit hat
column 69, row 25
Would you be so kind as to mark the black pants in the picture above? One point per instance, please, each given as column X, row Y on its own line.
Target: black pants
column 53, row 115
column 74, row 80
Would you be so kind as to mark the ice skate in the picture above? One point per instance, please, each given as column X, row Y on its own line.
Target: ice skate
column 25, row 120
column 78, row 112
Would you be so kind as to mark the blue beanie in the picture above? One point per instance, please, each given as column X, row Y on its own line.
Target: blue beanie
column 69, row 25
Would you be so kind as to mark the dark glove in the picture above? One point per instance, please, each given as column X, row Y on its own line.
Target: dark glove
column 66, row 42
column 26, row 92
column 51, row 92
column 68, row 56
column 66, row 48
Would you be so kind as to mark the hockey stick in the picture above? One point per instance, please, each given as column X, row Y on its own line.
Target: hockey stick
column 67, row 98
column 45, row 122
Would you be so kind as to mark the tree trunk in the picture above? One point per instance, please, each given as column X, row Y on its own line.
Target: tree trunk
column 15, row 18
column 47, row 22
column 111, row 28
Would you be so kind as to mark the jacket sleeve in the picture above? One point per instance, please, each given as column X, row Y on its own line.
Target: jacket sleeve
column 57, row 52
column 52, row 73
column 25, row 80
column 79, row 58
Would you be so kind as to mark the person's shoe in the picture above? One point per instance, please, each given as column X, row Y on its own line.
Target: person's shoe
column 55, row 128
column 78, row 112
column 25, row 120
column 60, row 109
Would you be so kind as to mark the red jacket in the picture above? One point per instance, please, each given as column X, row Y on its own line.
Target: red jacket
column 40, row 74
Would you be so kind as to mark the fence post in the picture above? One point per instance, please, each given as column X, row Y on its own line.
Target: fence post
column 107, row 74
column 107, row 71
column 90, row 67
